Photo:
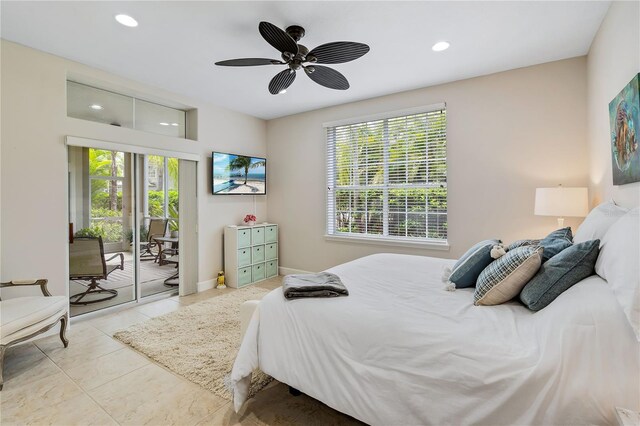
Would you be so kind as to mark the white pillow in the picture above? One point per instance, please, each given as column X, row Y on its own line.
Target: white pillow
column 619, row 264
column 598, row 221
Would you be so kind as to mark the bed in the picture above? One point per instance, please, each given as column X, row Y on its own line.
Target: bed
column 402, row 350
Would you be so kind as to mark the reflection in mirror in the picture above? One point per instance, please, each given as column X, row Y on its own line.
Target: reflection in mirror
column 103, row 106
column 89, row 103
column 160, row 119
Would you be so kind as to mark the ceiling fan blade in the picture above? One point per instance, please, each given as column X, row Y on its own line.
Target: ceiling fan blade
column 278, row 38
column 338, row 52
column 327, row 77
column 249, row 62
column 281, row 81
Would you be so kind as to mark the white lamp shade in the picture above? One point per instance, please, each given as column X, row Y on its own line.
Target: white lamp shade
column 562, row 202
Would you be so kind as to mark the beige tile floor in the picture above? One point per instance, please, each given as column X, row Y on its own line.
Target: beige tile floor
column 99, row 381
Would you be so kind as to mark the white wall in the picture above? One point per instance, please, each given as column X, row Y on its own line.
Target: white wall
column 508, row 133
column 34, row 162
column 614, row 58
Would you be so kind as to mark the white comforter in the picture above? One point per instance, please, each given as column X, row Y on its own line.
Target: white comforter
column 400, row 350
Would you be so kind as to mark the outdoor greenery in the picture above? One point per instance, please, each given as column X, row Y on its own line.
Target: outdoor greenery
column 413, row 157
column 111, row 232
column 106, row 199
column 103, row 163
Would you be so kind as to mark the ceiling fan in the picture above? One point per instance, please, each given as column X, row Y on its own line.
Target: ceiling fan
column 297, row 56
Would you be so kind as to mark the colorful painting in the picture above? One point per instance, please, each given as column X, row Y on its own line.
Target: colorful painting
column 624, row 118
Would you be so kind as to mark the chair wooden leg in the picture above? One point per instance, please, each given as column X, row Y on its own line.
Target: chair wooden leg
column 2, row 349
column 63, row 330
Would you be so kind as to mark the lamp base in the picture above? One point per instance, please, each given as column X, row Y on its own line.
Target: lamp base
column 561, row 222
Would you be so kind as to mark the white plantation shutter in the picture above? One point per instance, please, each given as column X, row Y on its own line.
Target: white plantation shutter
column 387, row 177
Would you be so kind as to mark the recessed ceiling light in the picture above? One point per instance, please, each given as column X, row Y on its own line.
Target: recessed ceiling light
column 127, row 20
column 283, row 91
column 96, row 107
column 164, row 124
column 440, row 46
column 174, row 124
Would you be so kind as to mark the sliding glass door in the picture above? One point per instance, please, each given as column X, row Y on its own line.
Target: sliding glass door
column 160, row 236
column 101, row 218
column 124, row 240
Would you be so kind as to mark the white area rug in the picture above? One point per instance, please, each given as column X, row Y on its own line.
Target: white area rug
column 198, row 342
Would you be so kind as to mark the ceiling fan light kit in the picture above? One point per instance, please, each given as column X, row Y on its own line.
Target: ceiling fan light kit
column 296, row 56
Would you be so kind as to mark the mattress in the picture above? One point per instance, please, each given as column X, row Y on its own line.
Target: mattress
column 400, row 349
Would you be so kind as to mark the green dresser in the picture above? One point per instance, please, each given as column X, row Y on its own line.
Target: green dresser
column 250, row 254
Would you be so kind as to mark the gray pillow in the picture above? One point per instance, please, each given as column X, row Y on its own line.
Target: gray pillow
column 561, row 272
column 555, row 242
column 466, row 270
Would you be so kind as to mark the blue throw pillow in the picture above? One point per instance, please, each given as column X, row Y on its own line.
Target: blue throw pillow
column 561, row 272
column 466, row 270
column 555, row 242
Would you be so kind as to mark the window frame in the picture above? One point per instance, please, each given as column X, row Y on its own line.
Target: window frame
column 330, row 208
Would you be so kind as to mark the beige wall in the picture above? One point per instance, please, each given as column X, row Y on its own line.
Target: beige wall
column 34, row 162
column 508, row 133
column 614, row 58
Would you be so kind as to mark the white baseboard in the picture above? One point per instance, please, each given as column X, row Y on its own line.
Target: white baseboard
column 207, row 285
column 287, row 271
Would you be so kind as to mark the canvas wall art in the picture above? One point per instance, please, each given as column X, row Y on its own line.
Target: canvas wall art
column 624, row 118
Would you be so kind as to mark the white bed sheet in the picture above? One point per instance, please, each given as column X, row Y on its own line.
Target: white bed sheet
column 400, row 350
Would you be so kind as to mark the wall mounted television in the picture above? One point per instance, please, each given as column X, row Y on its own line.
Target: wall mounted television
column 234, row 174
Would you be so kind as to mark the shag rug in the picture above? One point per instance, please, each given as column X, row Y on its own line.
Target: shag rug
column 198, row 342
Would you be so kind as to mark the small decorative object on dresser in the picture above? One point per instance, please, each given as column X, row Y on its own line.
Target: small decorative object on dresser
column 627, row 417
column 250, row 254
column 249, row 220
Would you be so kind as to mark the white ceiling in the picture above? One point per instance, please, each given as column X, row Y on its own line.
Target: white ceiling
column 176, row 43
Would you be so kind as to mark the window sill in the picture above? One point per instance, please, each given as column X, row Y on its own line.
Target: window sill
column 427, row 245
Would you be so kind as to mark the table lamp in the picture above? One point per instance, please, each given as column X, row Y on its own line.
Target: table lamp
column 561, row 202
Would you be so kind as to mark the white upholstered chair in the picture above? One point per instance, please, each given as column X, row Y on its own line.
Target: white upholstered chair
column 22, row 318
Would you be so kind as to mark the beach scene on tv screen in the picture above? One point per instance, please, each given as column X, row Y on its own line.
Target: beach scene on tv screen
column 237, row 174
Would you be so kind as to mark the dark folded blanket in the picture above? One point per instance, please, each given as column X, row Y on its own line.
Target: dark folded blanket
column 324, row 284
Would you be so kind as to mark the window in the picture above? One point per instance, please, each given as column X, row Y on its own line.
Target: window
column 387, row 178
column 93, row 104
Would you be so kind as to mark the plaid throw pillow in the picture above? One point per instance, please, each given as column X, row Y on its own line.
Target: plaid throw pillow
column 503, row 279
